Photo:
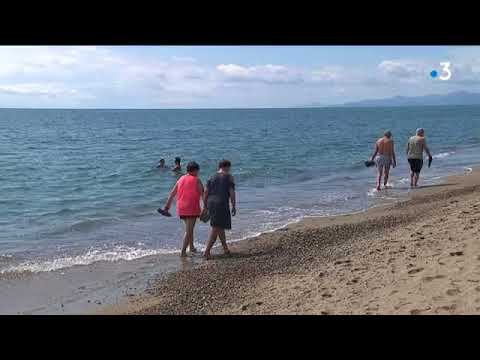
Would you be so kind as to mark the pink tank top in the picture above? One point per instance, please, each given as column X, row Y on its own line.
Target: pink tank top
column 188, row 196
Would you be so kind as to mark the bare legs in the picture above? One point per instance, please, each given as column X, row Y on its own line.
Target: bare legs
column 379, row 177
column 223, row 240
column 385, row 172
column 216, row 232
column 211, row 241
column 414, row 179
column 188, row 238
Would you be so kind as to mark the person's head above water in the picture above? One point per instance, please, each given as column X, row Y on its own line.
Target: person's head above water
column 161, row 162
column 387, row 134
column 225, row 165
column 420, row 132
column 193, row 168
column 177, row 161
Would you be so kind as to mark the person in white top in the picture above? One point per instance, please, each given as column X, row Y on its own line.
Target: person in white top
column 416, row 145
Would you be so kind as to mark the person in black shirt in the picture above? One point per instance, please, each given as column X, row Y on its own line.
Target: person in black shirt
column 219, row 193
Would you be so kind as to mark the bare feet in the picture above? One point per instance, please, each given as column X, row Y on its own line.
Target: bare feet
column 378, row 188
column 183, row 254
column 207, row 256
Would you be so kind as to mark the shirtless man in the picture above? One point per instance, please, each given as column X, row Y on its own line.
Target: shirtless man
column 415, row 147
column 384, row 148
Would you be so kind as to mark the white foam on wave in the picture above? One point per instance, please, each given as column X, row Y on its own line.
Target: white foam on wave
column 372, row 192
column 443, row 155
column 92, row 256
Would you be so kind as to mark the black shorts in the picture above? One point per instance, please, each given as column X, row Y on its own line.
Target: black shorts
column 416, row 165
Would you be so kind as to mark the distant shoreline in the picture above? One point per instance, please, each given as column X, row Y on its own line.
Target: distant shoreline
column 342, row 106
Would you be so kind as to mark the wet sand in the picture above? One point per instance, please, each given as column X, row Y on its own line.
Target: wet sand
column 419, row 256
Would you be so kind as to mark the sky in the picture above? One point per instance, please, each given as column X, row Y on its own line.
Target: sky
column 226, row 76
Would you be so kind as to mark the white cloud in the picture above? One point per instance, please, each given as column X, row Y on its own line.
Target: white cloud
column 115, row 77
column 465, row 65
column 233, row 70
column 330, row 74
column 465, row 69
column 51, row 90
column 260, row 73
column 73, row 73
column 404, row 69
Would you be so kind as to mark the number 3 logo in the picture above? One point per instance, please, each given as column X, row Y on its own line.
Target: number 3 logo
column 447, row 74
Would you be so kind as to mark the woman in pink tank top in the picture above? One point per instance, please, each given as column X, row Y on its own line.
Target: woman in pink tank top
column 189, row 191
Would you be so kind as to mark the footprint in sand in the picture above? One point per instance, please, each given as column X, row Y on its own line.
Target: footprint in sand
column 340, row 262
column 451, row 307
column 414, row 271
column 431, row 278
column 453, row 292
column 456, row 253
column 419, row 311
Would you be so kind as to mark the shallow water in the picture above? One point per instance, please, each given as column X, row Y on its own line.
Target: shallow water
column 80, row 186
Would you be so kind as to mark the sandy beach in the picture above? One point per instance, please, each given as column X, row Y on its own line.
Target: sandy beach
column 419, row 256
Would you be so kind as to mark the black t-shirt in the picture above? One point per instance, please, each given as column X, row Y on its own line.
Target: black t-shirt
column 218, row 187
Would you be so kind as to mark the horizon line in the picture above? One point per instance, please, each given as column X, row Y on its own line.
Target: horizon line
column 346, row 105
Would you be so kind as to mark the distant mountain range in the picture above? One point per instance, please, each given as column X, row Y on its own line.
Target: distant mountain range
column 454, row 98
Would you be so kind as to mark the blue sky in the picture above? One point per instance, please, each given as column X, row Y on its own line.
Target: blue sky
column 226, row 76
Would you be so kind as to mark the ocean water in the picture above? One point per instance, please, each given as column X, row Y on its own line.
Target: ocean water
column 81, row 186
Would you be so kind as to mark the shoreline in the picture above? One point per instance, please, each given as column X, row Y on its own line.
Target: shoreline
column 56, row 263
column 305, row 259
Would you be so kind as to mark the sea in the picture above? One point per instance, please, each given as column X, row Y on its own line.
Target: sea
column 80, row 188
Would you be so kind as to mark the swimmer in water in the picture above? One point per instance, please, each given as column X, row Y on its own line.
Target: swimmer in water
column 384, row 148
column 177, row 169
column 161, row 164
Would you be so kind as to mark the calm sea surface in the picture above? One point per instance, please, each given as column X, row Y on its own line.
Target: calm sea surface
column 81, row 186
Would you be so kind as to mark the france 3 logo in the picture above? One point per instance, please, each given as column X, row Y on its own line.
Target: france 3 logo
column 446, row 73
